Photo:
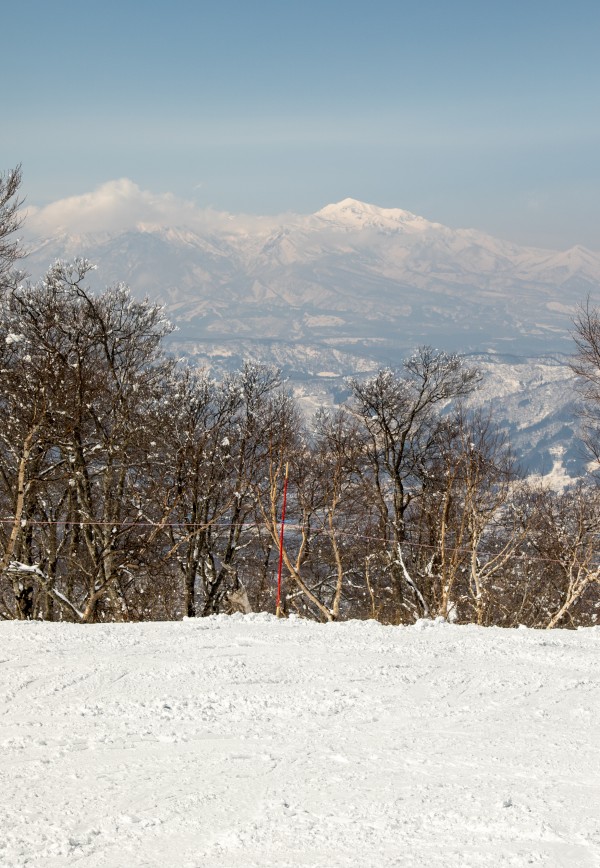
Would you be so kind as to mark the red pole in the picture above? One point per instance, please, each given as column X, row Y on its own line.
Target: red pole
column 285, row 485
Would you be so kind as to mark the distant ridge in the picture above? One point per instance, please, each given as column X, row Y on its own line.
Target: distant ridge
column 366, row 281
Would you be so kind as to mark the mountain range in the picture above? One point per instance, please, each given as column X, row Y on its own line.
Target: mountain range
column 355, row 287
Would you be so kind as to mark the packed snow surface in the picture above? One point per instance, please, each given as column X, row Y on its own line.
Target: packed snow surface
column 247, row 741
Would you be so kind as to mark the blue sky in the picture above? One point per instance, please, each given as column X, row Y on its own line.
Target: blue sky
column 470, row 113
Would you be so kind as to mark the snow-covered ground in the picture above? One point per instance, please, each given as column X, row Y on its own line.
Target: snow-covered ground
column 237, row 742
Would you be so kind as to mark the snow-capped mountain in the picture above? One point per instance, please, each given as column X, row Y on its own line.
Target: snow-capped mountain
column 352, row 277
column 349, row 288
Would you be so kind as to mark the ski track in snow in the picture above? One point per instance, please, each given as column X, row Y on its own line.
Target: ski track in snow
column 237, row 742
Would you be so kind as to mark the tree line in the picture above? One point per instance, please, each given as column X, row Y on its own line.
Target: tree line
column 134, row 486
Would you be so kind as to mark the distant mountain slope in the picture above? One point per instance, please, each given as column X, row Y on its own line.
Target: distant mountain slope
column 350, row 275
column 354, row 287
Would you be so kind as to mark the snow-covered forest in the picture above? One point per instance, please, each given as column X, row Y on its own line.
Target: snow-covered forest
column 134, row 487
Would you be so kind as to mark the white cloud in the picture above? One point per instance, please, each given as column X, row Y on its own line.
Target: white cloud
column 120, row 205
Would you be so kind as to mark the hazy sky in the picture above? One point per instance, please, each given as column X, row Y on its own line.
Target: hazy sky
column 469, row 112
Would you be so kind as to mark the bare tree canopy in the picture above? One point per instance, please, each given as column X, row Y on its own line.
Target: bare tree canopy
column 586, row 364
column 10, row 220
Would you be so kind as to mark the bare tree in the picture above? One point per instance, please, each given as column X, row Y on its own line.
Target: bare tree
column 586, row 364
column 217, row 438
column 199, row 485
column 460, row 548
column 400, row 414
column 562, row 535
column 80, row 374
column 10, row 220
column 342, row 509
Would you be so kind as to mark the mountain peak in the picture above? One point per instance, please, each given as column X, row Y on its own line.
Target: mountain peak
column 353, row 214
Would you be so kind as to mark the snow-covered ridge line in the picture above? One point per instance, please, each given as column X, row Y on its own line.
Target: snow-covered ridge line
column 121, row 205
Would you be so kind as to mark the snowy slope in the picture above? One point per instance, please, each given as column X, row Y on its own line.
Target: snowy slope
column 535, row 401
column 255, row 743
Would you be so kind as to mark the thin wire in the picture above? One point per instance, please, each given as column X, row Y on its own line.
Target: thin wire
column 187, row 526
